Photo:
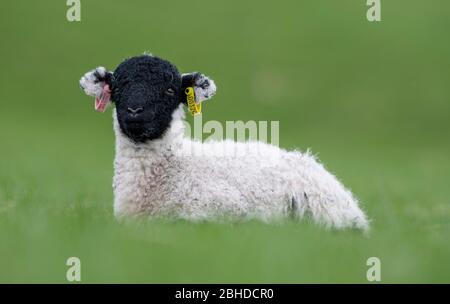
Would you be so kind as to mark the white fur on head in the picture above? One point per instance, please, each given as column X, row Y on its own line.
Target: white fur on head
column 93, row 81
column 204, row 87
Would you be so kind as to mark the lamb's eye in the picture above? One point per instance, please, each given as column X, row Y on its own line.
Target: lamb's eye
column 170, row 92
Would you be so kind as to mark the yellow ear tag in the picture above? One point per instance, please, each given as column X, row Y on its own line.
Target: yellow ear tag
column 193, row 107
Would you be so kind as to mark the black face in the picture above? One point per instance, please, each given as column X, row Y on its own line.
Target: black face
column 146, row 91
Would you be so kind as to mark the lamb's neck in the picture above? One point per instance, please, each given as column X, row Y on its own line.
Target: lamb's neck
column 170, row 141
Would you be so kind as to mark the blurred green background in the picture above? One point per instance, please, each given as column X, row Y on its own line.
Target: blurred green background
column 371, row 99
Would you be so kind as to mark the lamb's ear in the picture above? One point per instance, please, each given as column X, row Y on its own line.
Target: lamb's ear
column 204, row 87
column 97, row 83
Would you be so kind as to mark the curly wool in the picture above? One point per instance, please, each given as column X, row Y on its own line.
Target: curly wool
column 177, row 177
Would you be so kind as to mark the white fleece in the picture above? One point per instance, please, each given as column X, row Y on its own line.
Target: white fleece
column 163, row 178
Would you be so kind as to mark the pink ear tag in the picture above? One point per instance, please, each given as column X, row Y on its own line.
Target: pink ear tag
column 104, row 100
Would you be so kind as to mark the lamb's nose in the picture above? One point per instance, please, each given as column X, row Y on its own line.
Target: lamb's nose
column 136, row 111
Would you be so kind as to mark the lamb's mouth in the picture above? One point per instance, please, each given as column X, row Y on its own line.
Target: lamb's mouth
column 138, row 138
column 138, row 133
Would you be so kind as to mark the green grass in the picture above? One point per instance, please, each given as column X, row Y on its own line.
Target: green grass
column 371, row 99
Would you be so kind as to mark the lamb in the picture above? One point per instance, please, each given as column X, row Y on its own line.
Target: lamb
column 159, row 172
